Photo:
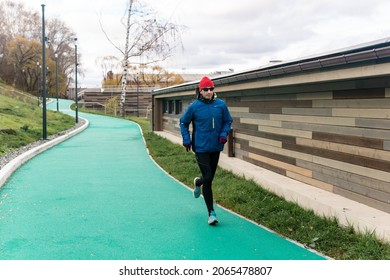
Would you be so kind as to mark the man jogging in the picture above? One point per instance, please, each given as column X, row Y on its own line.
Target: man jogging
column 211, row 123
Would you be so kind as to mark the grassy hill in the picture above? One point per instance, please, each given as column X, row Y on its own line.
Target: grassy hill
column 21, row 120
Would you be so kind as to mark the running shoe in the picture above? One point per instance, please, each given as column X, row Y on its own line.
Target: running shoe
column 197, row 187
column 212, row 218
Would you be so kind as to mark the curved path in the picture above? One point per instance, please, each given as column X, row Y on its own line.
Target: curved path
column 98, row 195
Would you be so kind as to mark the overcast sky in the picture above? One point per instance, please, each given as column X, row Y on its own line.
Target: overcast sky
column 223, row 34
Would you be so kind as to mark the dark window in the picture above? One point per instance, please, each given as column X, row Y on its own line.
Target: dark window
column 165, row 106
column 178, row 107
column 171, row 106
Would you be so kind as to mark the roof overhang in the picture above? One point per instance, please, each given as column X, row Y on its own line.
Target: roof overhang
column 377, row 51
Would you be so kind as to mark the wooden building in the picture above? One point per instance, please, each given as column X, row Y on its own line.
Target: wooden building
column 323, row 120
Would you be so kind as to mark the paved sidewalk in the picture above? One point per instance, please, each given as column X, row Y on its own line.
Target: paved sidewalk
column 99, row 195
column 322, row 202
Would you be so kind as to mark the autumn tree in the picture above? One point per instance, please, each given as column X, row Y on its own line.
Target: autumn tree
column 15, row 20
column 144, row 75
column 146, row 35
column 22, row 54
column 152, row 76
column 21, row 48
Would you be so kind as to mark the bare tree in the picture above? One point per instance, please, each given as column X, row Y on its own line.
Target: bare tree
column 17, row 20
column 147, row 36
column 107, row 64
column 61, row 41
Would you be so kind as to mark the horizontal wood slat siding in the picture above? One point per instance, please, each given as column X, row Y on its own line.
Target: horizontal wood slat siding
column 337, row 140
column 349, row 140
column 332, row 135
column 359, row 93
column 134, row 102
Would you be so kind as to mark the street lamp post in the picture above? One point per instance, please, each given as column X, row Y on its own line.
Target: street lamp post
column 44, row 125
column 38, row 83
column 56, row 56
column 75, row 88
column 137, row 81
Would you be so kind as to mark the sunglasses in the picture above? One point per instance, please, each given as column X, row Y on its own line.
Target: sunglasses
column 208, row 89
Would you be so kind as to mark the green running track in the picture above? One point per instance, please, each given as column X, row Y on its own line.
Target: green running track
column 99, row 196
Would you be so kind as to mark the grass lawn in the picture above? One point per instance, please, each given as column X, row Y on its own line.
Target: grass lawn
column 21, row 123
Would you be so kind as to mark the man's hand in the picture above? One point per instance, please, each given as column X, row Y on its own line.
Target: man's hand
column 222, row 140
column 187, row 146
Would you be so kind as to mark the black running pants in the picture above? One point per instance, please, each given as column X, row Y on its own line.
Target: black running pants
column 208, row 163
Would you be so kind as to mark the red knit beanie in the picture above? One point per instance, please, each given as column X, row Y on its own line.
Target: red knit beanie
column 205, row 83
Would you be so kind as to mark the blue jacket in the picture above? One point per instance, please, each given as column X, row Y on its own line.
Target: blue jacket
column 210, row 120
